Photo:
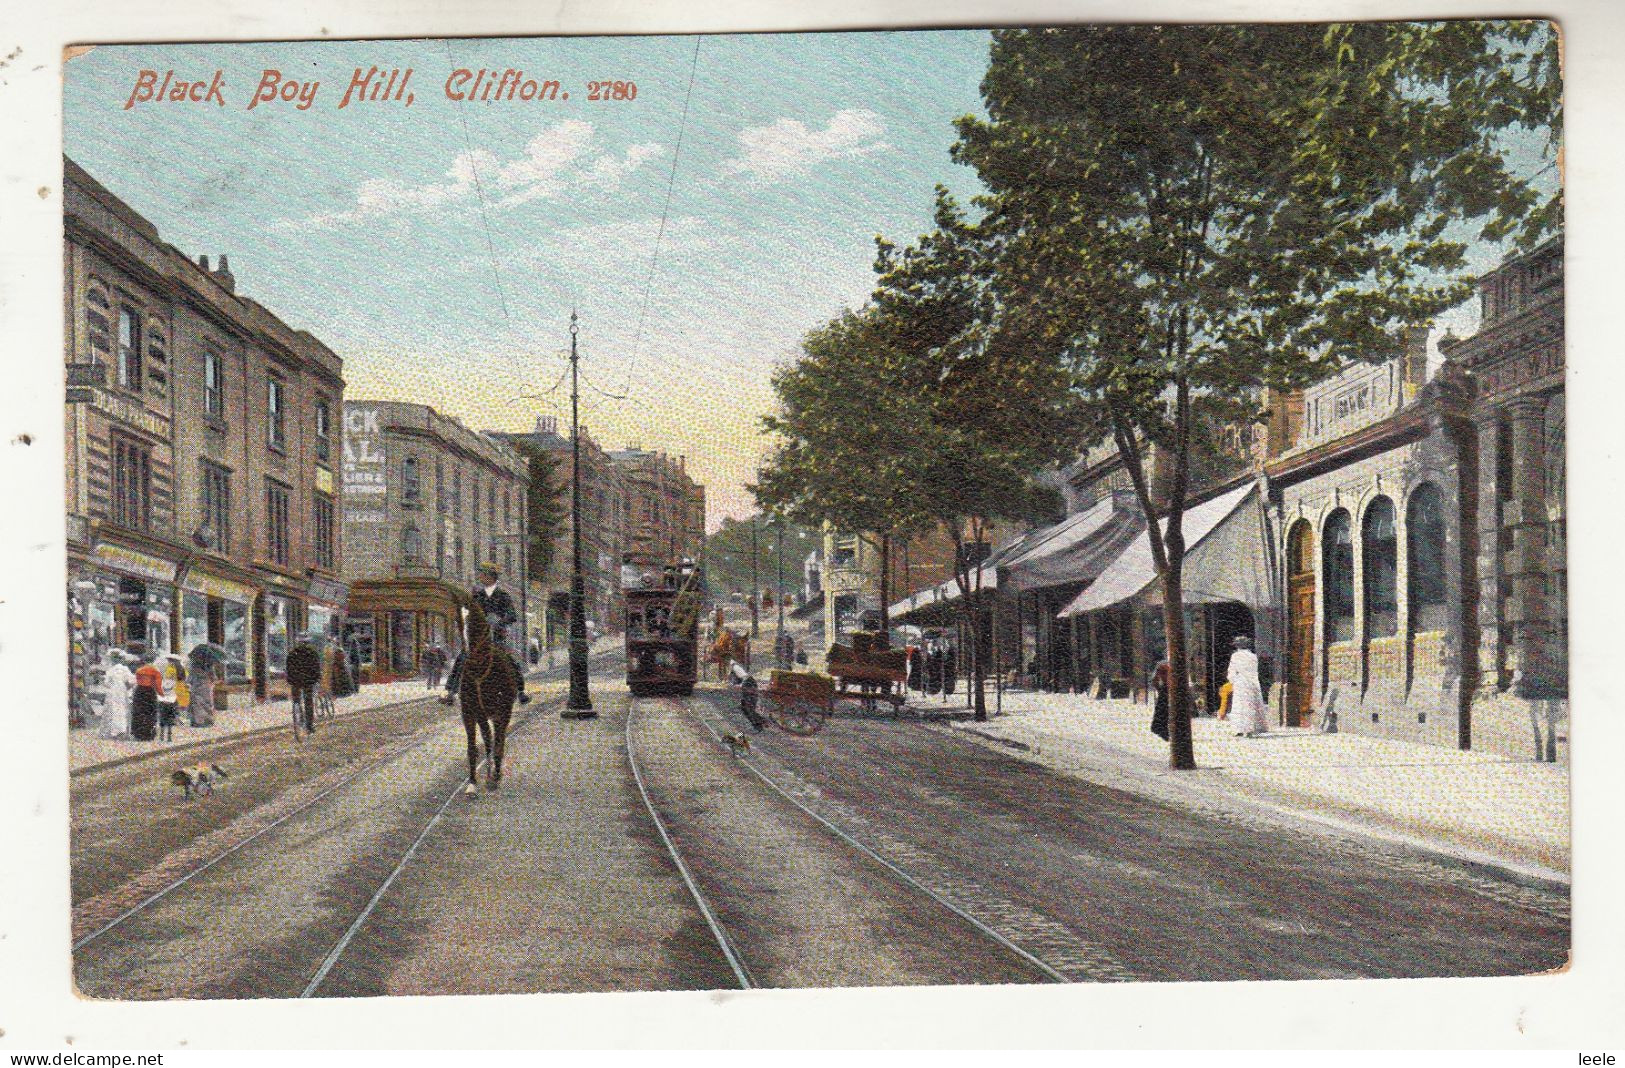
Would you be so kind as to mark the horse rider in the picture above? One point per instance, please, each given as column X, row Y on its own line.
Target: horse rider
column 499, row 612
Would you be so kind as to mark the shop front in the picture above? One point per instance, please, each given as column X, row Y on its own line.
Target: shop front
column 214, row 610
column 119, row 597
column 390, row 622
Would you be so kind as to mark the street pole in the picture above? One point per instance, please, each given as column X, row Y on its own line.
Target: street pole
column 755, row 584
column 778, row 539
column 579, row 705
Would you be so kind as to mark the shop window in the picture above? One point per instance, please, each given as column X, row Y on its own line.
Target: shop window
column 234, row 638
column 276, row 522
column 278, row 621
column 1379, row 549
column 216, row 506
column 132, row 483
column 1424, row 559
column 129, row 349
column 194, row 620
column 1338, row 564
column 276, row 414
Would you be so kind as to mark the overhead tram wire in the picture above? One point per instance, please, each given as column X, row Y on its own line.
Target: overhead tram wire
column 665, row 212
column 490, row 240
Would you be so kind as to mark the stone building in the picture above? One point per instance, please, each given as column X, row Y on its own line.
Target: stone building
column 1366, row 503
column 426, row 502
column 1517, row 591
column 202, row 442
column 666, row 508
column 605, row 511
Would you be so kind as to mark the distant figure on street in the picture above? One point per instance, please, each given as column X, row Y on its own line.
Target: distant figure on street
column 500, row 615
column 304, row 671
column 1247, row 710
column 434, row 666
column 1161, row 679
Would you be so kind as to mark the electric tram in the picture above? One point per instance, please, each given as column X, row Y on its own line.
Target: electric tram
column 662, row 628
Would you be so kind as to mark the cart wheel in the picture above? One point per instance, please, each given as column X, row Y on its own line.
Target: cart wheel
column 798, row 716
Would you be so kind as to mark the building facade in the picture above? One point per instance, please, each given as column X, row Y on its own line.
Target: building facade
column 605, row 509
column 665, row 508
column 426, row 502
column 201, row 438
column 1517, row 592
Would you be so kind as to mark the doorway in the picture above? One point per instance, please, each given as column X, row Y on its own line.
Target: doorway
column 1226, row 622
column 1300, row 646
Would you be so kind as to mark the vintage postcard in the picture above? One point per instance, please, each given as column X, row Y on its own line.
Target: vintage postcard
column 1054, row 504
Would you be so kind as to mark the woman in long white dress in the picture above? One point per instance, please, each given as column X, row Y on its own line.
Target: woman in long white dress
column 119, row 683
column 1248, row 713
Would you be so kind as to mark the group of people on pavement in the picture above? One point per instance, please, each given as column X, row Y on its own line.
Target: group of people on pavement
column 144, row 696
column 1242, row 697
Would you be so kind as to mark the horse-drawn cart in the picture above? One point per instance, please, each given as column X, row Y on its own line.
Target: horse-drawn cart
column 875, row 675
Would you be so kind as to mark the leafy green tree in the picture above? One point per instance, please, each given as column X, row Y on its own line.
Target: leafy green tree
column 1187, row 214
column 991, row 407
column 545, row 510
column 846, row 434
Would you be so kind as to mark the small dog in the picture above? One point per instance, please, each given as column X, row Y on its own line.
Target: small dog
column 737, row 744
column 197, row 779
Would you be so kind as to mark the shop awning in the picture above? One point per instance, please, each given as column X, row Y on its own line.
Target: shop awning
column 1074, row 550
column 1134, row 569
column 404, row 595
column 943, row 593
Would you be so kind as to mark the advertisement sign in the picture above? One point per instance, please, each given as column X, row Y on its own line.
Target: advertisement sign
column 364, row 465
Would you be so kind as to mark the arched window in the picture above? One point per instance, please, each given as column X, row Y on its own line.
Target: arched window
column 1380, row 550
column 411, row 545
column 1338, row 552
column 1424, row 559
column 411, row 485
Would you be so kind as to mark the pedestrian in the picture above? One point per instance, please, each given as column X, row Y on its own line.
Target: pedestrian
column 1248, row 713
column 500, row 614
column 144, row 703
column 119, row 684
column 204, row 669
column 172, row 694
column 434, row 666
column 1161, row 680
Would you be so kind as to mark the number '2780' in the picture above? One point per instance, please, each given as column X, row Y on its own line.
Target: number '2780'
column 612, row 91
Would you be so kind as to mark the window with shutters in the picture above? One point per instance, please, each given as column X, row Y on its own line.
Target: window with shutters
column 214, row 385
column 276, row 522
column 132, row 483
column 322, row 513
column 276, row 409
column 324, row 431
column 129, row 349
column 217, row 505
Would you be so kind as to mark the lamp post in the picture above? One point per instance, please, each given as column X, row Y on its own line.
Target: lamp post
column 755, row 584
column 778, row 591
column 579, row 705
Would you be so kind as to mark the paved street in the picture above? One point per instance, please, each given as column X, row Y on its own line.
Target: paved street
column 877, row 852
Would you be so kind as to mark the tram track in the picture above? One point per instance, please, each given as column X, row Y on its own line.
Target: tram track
column 327, row 789
column 1097, row 967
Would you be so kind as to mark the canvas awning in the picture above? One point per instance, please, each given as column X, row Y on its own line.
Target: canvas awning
column 1134, row 570
column 1074, row 550
column 943, row 593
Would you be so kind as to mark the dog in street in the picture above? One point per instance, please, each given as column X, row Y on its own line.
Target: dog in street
column 737, row 744
column 197, row 779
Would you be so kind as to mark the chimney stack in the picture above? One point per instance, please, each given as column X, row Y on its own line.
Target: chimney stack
column 224, row 276
column 203, row 261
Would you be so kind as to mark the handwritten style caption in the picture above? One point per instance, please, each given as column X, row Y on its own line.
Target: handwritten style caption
column 369, row 85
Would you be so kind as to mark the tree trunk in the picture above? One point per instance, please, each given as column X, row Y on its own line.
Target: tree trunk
column 885, row 584
column 1181, row 752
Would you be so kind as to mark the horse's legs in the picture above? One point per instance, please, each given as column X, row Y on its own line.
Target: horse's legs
column 501, row 727
column 473, row 753
column 485, row 732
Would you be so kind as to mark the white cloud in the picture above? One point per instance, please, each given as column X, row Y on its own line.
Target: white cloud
column 559, row 158
column 789, row 146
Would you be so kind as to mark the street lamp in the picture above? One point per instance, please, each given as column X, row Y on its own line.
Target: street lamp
column 579, row 705
column 779, row 646
column 755, row 584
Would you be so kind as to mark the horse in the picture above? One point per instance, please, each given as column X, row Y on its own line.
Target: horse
column 729, row 648
column 486, row 694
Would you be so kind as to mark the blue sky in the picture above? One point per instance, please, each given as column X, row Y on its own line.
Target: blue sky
column 438, row 248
